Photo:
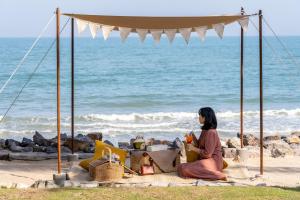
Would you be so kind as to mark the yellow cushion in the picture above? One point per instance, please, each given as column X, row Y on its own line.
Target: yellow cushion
column 99, row 148
column 85, row 163
column 225, row 164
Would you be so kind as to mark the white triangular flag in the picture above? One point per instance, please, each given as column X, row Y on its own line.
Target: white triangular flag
column 201, row 31
column 156, row 34
column 93, row 29
column 186, row 33
column 170, row 34
column 124, row 32
column 106, row 30
column 81, row 25
column 244, row 23
column 142, row 34
column 219, row 28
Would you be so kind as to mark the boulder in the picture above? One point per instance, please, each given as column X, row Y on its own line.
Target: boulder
column 90, row 149
column 79, row 145
column 296, row 133
column 27, row 142
column 293, row 139
column 40, row 140
column 4, row 154
column 37, row 148
column 10, row 142
column 124, row 145
column 282, row 148
column 233, row 142
column 108, row 142
column 95, row 136
column 272, row 137
column 249, row 140
column 2, row 144
column 51, row 149
column 14, row 148
column 228, row 152
column 65, row 149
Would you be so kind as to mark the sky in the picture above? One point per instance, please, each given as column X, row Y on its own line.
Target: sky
column 26, row 18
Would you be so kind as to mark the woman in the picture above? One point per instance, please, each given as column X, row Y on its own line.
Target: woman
column 210, row 164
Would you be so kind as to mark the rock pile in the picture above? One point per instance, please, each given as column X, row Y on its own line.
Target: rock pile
column 274, row 146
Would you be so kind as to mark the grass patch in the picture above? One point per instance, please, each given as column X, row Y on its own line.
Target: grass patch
column 170, row 193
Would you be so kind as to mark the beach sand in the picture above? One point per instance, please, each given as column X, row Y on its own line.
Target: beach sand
column 284, row 172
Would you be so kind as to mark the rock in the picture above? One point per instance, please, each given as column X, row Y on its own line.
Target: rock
column 40, row 140
column 297, row 133
column 4, row 154
column 27, row 142
column 79, row 145
column 249, row 140
column 275, row 153
column 278, row 148
column 90, row 149
column 39, row 148
column 10, row 142
column 51, row 149
column 95, row 136
column 2, row 144
column 124, row 145
column 14, row 148
column 272, row 137
column 233, row 142
column 294, row 139
column 65, row 150
column 108, row 142
column 228, row 152
column 31, row 156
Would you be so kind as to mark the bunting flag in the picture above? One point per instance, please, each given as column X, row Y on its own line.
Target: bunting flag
column 142, row 34
column 81, row 25
column 244, row 23
column 106, row 30
column 201, row 31
column 186, row 33
column 124, row 32
column 156, row 34
column 93, row 28
column 219, row 28
column 170, row 34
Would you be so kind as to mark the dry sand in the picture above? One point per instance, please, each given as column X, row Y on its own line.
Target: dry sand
column 283, row 172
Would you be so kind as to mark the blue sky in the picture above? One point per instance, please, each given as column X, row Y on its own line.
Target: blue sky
column 26, row 18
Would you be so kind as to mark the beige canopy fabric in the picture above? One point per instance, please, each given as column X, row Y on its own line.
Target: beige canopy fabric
column 157, row 26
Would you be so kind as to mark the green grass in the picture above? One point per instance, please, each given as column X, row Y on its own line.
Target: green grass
column 170, row 193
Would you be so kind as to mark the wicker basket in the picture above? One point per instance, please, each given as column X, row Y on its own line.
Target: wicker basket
column 103, row 170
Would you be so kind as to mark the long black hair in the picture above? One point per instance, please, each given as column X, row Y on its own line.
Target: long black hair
column 210, row 118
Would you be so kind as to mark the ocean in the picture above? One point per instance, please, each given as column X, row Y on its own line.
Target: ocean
column 133, row 88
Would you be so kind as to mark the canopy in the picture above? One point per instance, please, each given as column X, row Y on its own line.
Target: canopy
column 157, row 26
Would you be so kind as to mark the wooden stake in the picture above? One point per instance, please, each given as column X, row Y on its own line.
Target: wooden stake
column 261, row 92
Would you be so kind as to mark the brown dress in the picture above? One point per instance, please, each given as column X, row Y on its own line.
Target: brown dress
column 210, row 164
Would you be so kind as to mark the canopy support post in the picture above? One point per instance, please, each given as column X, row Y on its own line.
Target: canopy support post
column 261, row 91
column 242, row 86
column 72, row 83
column 58, row 88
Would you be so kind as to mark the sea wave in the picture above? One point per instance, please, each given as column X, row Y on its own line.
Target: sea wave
column 160, row 124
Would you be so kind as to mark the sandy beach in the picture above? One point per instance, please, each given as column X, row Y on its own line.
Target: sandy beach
column 283, row 172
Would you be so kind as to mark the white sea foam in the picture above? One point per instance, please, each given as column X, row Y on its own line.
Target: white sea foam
column 158, row 124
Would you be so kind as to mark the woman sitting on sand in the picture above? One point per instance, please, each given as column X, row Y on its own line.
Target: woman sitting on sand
column 208, row 146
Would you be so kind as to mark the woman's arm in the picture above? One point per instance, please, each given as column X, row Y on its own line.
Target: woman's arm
column 210, row 142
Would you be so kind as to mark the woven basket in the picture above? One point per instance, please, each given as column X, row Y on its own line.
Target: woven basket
column 103, row 170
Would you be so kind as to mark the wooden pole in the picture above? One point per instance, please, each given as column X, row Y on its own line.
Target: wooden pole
column 72, row 83
column 242, row 86
column 58, row 88
column 261, row 92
